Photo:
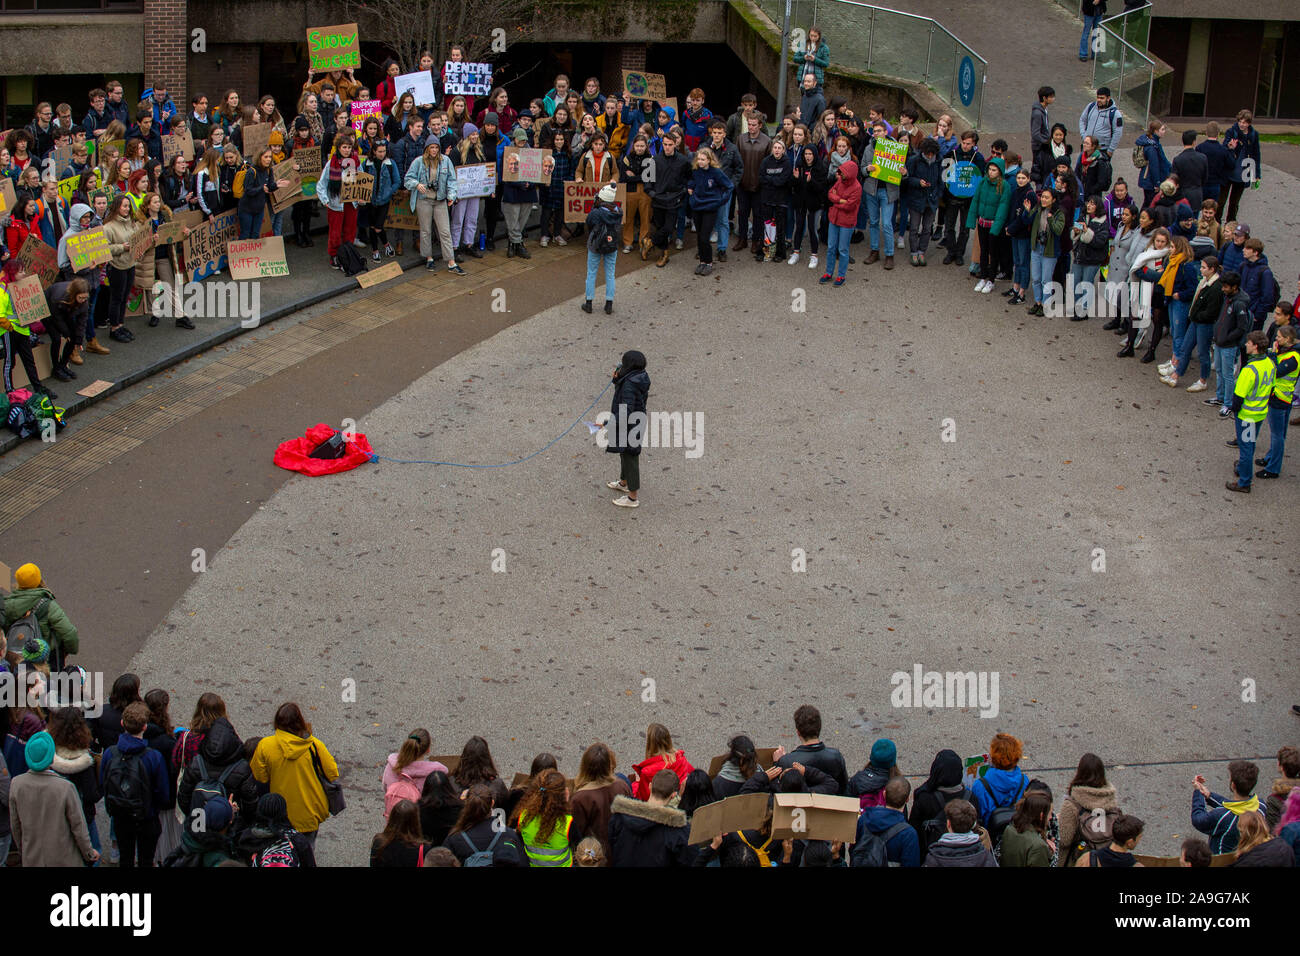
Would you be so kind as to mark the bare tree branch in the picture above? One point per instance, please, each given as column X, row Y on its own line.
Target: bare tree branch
column 409, row 27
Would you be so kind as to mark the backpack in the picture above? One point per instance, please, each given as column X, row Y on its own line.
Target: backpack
column 126, row 788
column 481, row 857
column 937, row 826
column 1000, row 816
column 279, row 852
column 237, row 187
column 209, row 788
column 350, row 259
column 872, row 850
column 26, row 627
column 1095, row 831
column 760, row 851
column 403, row 788
column 1140, row 157
column 602, row 240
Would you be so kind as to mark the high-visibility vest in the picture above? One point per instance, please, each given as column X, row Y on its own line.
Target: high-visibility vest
column 8, row 317
column 554, row 850
column 1284, row 385
column 1254, row 385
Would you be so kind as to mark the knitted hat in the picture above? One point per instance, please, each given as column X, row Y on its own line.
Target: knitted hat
column 29, row 575
column 301, row 123
column 883, row 753
column 607, row 193
column 491, row 119
column 36, row 651
column 216, row 813
column 39, row 751
column 1183, row 210
column 467, row 129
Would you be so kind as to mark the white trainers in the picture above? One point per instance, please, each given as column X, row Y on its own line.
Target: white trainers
column 616, row 485
column 713, row 236
column 544, row 241
column 979, row 286
column 679, row 244
column 1169, row 380
column 988, row 286
column 561, row 241
column 1198, row 386
column 1166, row 367
column 812, row 262
column 626, row 502
column 794, row 257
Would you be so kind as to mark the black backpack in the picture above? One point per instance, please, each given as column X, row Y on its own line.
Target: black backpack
column 873, row 850
column 126, row 788
column 937, row 826
column 350, row 259
column 208, row 787
column 1000, row 816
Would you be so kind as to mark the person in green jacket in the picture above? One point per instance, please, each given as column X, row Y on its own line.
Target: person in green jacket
column 988, row 216
column 1024, row 842
column 811, row 57
column 56, row 628
column 1045, row 230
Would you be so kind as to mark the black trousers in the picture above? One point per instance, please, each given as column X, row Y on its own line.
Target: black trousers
column 17, row 344
column 705, row 219
column 1229, row 208
column 69, row 329
column 137, row 841
column 378, row 234
column 749, row 208
column 1002, row 248
column 805, row 216
column 955, row 233
column 119, row 287
column 776, row 213
column 629, row 470
column 662, row 224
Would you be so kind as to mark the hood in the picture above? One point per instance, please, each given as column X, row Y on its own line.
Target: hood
column 415, row 771
column 68, row 762
column 1285, row 784
column 221, row 745
column 850, row 169
column 128, row 744
column 291, row 746
column 870, row 779
column 945, row 770
column 1005, row 783
column 642, row 817
column 1091, row 797
column 880, row 819
column 999, row 163
column 74, row 216
column 672, row 113
column 959, row 839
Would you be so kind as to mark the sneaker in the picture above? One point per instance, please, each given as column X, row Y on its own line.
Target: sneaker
column 455, row 270
column 626, row 502
column 561, row 241
column 61, row 375
column 706, row 269
column 1197, row 386
column 826, row 277
column 120, row 334
column 699, row 270
column 1164, row 368
column 1225, row 411
column 431, row 265
column 374, row 256
column 721, row 256
column 679, row 244
column 625, row 248
column 545, row 241
column 619, row 485
column 713, row 236
column 1213, row 402
column 812, row 262
column 1169, row 380
column 1265, row 473
column 839, row 281
column 359, row 243
column 794, row 257
column 388, row 251
column 1238, row 486
column 334, row 263
column 979, row 286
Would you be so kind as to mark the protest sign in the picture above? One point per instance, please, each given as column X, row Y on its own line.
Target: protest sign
column 645, row 86
column 961, row 177
column 450, row 761
column 889, row 159
column 205, row 246
column 67, row 187
column 765, row 755
column 256, row 138
column 170, row 232
column 671, row 103
column 189, row 217
column 578, row 199
column 814, row 816
column 141, row 241
column 28, row 297
column 117, row 144
column 283, row 198
column 309, row 161
column 257, row 258
column 356, row 188
column 520, row 164
column 974, row 767
column 57, row 161
column 400, row 215
column 178, row 144
column 467, row 79
column 476, row 179
column 742, row 812
column 389, row 270
column 334, row 48
column 36, row 258
column 363, row 108
column 94, row 388
column 88, row 248
column 7, row 195
column 419, row 84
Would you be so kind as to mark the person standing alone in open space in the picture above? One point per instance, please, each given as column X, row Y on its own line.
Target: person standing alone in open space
column 626, row 434
column 602, row 244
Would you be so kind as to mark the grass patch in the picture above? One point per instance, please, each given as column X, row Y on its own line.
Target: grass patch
column 1291, row 139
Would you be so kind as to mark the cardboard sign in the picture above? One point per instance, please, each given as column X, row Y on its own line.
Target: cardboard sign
column 189, row 217
column 358, row 188
column 117, row 144
column 282, row 199
column 309, row 162
column 95, row 388
column 365, row 108
column 765, row 759
column 520, row 164
column 333, row 48
column 645, row 86
column 475, row 179
column 671, row 103
column 256, row 138
column 8, row 198
column 67, row 187
column 889, row 158
column 389, row 270
column 257, row 258
column 178, row 144
column 58, row 160
column 205, row 246
column 578, row 199
column 419, row 84
column 29, row 300
column 450, row 761
column 745, row 811
column 141, row 242
column 814, row 816
column 400, row 215
column 170, row 232
column 36, row 258
column 466, row 79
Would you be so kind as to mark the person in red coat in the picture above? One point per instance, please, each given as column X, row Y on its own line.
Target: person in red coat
column 659, row 755
column 386, row 90
column 844, row 197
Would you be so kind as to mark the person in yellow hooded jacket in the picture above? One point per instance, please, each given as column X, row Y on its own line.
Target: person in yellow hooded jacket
column 284, row 761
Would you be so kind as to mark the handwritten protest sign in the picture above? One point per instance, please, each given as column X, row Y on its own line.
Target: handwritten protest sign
column 94, row 388
column 283, row 198
column 523, row 165
column 67, row 187
column 363, row 108
column 578, row 199
column 257, row 258
column 205, row 246
column 400, row 215
column 170, row 232
column 142, row 241
column 419, row 84
column 961, row 177
column 178, row 144
column 256, row 138
column 889, row 158
column 645, row 86
column 36, row 258
column 389, row 270
column 29, row 300
column 357, row 188
column 7, row 195
column 308, row 162
column 467, row 79
column 476, row 179
column 334, row 48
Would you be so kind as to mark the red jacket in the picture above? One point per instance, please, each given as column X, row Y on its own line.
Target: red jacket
column 646, row 770
column 16, row 234
column 847, row 187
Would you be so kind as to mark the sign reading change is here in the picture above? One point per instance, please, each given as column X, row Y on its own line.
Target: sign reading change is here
column 334, row 48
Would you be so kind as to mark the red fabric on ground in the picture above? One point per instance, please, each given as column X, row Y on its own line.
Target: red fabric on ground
column 295, row 453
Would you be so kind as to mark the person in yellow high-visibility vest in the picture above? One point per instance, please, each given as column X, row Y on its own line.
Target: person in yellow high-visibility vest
column 17, row 340
column 1287, row 359
column 1250, row 403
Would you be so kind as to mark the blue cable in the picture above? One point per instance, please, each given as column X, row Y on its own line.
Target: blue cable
column 505, row 464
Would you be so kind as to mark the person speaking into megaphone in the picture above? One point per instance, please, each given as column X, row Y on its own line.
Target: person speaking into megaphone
column 625, row 431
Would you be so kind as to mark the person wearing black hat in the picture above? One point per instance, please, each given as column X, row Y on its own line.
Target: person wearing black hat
column 626, row 428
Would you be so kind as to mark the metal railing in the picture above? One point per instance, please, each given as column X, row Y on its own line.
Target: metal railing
column 1121, row 63
column 872, row 39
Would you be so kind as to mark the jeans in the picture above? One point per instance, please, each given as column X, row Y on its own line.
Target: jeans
column 919, row 224
column 682, row 216
column 1198, row 336
column 1085, row 288
column 724, row 221
column 880, row 218
column 1225, row 370
column 1247, row 436
column 1020, row 261
column 1040, row 273
column 837, row 248
column 594, row 260
column 1278, row 418
column 249, row 223
column 1178, row 323
column 1090, row 24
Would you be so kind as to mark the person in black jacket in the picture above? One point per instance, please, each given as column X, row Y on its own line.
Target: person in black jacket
column 1192, row 168
column 961, row 844
column 1218, row 166
column 774, row 177
column 650, row 833
column 107, row 727
column 634, row 172
column 811, row 752
column 740, row 765
column 1093, row 169
column 626, row 427
column 929, row 799
column 175, row 186
column 809, row 182
column 672, row 174
column 220, row 751
column 257, row 188
column 922, row 186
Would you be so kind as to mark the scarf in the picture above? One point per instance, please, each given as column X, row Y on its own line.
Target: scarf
column 1057, row 151
column 1249, row 805
column 731, row 772
column 1166, row 281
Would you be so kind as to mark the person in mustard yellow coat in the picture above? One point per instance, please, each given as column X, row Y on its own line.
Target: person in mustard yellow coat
column 284, row 760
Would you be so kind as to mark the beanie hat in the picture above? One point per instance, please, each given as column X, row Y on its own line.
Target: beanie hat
column 217, row 814
column 520, row 135
column 491, row 119
column 1183, row 210
column 272, row 807
column 607, row 193
column 301, row 123
column 884, row 754
column 36, row 651
column 29, row 575
column 467, row 129
column 39, row 751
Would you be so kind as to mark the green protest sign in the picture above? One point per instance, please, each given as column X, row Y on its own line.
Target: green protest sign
column 889, row 158
column 334, row 48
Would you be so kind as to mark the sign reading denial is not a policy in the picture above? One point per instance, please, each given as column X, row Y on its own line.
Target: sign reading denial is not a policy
column 334, row 48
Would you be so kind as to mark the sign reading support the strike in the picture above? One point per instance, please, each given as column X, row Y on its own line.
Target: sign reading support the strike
column 889, row 158
column 334, row 48
column 363, row 108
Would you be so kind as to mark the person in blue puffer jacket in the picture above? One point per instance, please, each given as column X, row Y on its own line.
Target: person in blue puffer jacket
column 1004, row 782
column 709, row 190
column 387, row 181
column 1157, row 168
